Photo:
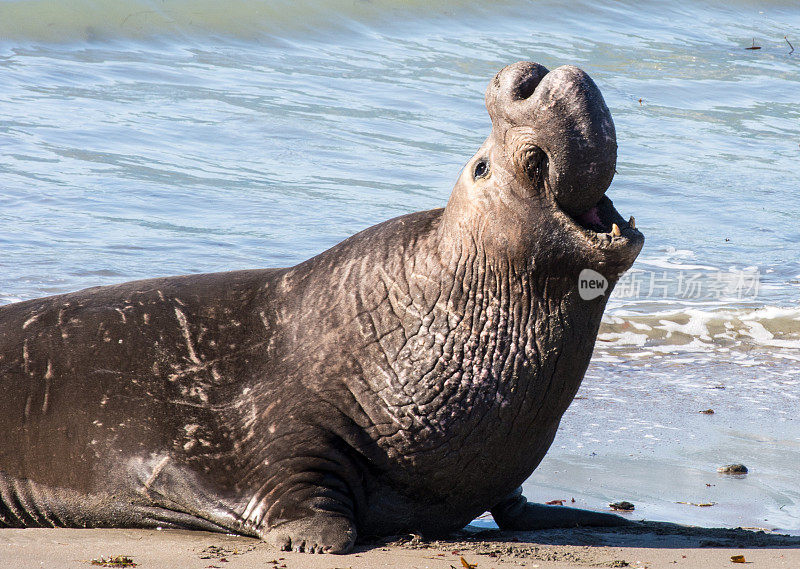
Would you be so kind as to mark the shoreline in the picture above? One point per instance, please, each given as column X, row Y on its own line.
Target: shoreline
column 653, row 545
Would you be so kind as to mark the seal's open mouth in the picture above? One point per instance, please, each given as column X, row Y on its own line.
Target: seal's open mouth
column 604, row 220
column 603, row 225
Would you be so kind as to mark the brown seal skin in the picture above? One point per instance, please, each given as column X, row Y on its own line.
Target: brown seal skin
column 406, row 380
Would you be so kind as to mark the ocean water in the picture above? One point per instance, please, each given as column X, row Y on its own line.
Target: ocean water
column 144, row 138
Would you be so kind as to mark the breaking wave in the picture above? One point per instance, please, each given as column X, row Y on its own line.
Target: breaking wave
column 773, row 330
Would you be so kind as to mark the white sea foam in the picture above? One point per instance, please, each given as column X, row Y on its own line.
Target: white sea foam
column 704, row 330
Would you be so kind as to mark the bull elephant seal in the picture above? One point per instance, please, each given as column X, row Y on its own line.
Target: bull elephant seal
column 407, row 379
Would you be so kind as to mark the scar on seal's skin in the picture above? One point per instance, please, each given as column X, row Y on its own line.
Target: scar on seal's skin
column 156, row 472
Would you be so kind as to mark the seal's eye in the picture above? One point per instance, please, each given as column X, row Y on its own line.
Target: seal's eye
column 481, row 169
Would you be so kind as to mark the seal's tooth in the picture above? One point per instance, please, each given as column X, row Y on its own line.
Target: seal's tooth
column 615, row 230
column 632, row 222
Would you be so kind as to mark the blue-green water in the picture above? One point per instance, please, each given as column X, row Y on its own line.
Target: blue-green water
column 142, row 138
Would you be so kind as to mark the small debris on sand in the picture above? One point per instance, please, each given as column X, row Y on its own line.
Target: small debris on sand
column 754, row 46
column 732, row 469
column 622, row 506
column 220, row 553
column 707, row 412
column 114, row 561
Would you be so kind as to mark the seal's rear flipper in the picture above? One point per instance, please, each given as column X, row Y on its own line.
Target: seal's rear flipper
column 516, row 513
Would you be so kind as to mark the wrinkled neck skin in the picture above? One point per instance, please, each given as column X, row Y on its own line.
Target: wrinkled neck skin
column 513, row 336
column 462, row 353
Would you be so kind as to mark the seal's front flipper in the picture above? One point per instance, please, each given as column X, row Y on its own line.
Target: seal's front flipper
column 516, row 513
column 320, row 533
column 307, row 511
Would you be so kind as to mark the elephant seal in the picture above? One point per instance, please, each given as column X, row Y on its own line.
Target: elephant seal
column 407, row 379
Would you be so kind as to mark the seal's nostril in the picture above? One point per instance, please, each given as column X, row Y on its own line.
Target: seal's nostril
column 514, row 83
column 526, row 86
column 523, row 78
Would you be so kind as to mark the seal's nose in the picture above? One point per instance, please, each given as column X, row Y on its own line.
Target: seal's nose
column 567, row 118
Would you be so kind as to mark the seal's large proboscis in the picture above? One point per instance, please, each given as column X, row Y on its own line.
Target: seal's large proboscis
column 406, row 380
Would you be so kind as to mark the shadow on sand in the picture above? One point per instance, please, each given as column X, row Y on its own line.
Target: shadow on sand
column 643, row 534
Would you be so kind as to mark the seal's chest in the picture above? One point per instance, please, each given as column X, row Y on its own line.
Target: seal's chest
column 478, row 398
column 468, row 382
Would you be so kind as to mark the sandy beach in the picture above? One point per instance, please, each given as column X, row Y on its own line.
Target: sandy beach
column 653, row 546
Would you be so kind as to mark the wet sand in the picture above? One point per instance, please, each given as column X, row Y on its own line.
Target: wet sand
column 653, row 545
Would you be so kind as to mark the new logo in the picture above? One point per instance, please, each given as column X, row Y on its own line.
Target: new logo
column 591, row 284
